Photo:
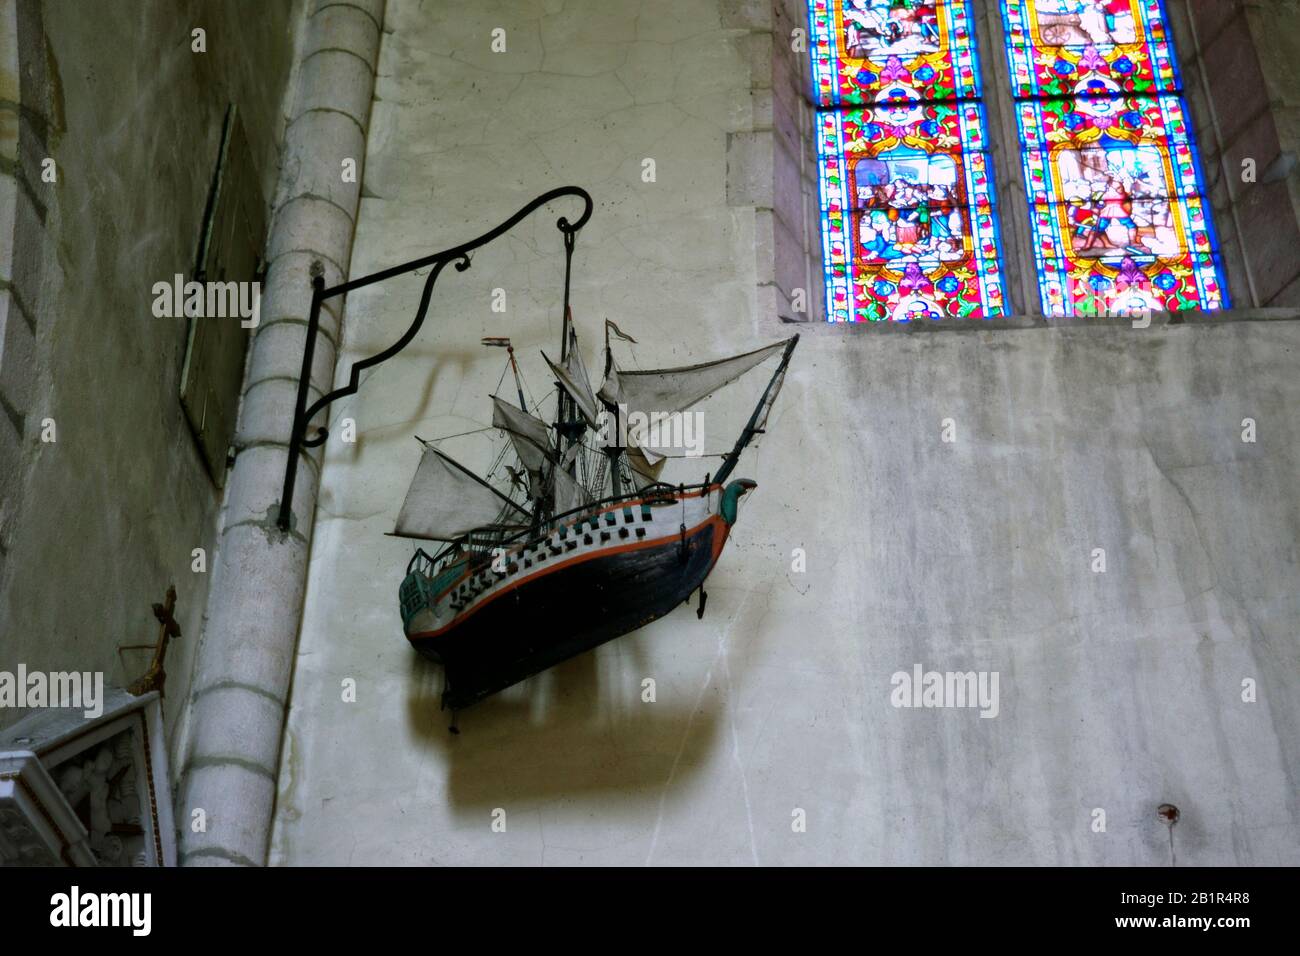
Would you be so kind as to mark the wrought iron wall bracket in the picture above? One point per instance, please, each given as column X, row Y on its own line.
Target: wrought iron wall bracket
column 303, row 413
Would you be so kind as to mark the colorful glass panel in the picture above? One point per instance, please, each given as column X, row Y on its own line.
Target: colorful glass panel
column 1055, row 46
column 861, row 48
column 908, row 224
column 1120, row 223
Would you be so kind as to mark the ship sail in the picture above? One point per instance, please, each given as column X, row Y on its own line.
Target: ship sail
column 644, row 472
column 447, row 501
column 677, row 389
column 653, row 393
column 568, row 493
column 758, row 420
column 531, row 439
column 572, row 376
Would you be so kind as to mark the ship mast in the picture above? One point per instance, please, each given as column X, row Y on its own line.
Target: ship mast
column 569, row 425
column 498, row 341
column 614, row 450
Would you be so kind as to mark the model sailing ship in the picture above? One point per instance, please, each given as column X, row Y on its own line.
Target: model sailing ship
column 587, row 543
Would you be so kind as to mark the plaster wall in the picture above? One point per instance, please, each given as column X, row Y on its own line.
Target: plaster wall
column 111, row 510
column 1119, row 690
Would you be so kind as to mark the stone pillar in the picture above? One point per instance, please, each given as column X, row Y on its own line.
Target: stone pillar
column 255, row 607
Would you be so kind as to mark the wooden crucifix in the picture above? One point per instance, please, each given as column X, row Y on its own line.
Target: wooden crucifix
column 155, row 677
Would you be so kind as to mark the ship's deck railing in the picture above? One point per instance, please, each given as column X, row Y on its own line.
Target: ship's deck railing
column 482, row 542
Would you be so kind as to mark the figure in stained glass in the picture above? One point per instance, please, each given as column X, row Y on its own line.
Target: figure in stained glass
column 1118, row 199
column 1053, row 43
column 907, row 203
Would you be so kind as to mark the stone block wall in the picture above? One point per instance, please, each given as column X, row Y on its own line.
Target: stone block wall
column 95, row 524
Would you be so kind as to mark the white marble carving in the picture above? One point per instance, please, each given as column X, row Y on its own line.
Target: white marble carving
column 87, row 792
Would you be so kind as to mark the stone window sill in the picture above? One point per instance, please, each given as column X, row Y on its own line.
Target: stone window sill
column 1158, row 320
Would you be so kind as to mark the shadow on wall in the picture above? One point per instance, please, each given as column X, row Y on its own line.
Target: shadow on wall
column 459, row 409
column 559, row 733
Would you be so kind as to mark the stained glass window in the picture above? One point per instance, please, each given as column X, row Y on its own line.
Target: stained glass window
column 1049, row 41
column 909, row 229
column 860, row 48
column 1120, row 222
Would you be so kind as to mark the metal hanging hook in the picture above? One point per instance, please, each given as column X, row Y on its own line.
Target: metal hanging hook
column 460, row 256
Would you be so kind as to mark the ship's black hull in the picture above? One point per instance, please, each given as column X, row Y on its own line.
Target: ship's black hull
column 557, row 615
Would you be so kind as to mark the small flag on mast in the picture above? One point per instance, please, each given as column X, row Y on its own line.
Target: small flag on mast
column 610, row 326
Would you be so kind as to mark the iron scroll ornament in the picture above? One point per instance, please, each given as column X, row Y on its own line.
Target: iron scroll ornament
column 438, row 261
